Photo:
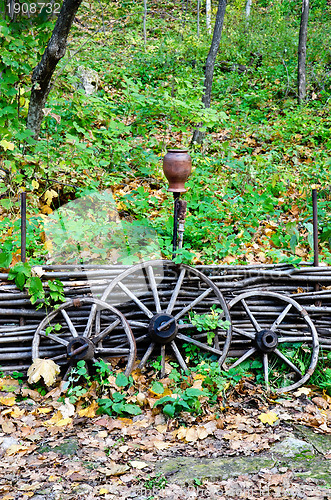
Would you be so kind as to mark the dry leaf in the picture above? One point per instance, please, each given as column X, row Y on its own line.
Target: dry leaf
column 49, row 195
column 138, row 464
column 302, row 390
column 63, row 422
column 161, row 445
column 14, row 449
column 90, row 411
column 43, row 368
column 114, row 469
column 8, row 401
column 103, row 491
column 192, row 434
column 67, row 409
column 16, row 412
column 44, row 411
column 268, row 418
column 181, row 432
column 8, row 427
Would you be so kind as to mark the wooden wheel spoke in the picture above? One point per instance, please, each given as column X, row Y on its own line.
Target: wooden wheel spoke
column 142, row 338
column 280, row 318
column 60, row 356
column 54, row 337
column 288, row 362
column 179, row 356
column 147, row 355
column 285, row 339
column 138, row 324
column 154, row 288
column 205, row 347
column 112, row 351
column 193, row 303
column 245, row 333
column 244, row 357
column 71, row 327
column 88, row 328
column 163, row 353
column 136, row 300
column 251, row 316
column 266, row 370
column 106, row 331
column 175, row 292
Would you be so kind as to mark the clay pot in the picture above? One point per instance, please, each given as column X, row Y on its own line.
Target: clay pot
column 177, row 166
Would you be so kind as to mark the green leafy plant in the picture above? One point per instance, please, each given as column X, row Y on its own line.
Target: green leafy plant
column 78, row 381
column 187, row 400
column 209, row 322
column 116, row 404
column 22, row 274
column 159, row 481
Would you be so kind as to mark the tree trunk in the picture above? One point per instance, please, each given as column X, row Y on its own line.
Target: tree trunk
column 248, row 8
column 208, row 16
column 199, row 134
column 144, row 23
column 302, row 49
column 43, row 72
column 198, row 19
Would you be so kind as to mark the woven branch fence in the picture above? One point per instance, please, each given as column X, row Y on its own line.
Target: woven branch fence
column 19, row 319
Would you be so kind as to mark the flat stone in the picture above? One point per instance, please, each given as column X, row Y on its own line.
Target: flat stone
column 183, row 470
column 321, row 442
column 292, row 447
column 186, row 470
column 68, row 447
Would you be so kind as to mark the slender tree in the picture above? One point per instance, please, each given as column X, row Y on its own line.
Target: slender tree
column 208, row 16
column 302, row 50
column 144, row 24
column 43, row 72
column 248, row 8
column 199, row 134
column 198, row 19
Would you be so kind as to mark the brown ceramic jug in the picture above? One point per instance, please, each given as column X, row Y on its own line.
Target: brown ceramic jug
column 177, row 166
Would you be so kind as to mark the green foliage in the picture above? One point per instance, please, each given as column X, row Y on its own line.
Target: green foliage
column 77, row 382
column 187, row 400
column 209, row 322
column 116, row 404
column 156, row 482
column 22, row 274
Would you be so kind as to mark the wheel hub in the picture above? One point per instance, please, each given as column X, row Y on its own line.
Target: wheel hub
column 266, row 341
column 165, row 335
column 80, row 348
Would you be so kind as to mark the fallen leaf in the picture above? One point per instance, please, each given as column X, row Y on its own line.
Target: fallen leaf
column 63, row 422
column 44, row 411
column 49, row 195
column 114, row 469
column 103, row 491
column 7, row 145
column 43, row 368
column 89, row 411
column 161, row 445
column 8, row 427
column 268, row 418
column 10, row 401
column 302, row 390
column 137, row 464
column 67, row 409
column 14, row 449
column 191, row 434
